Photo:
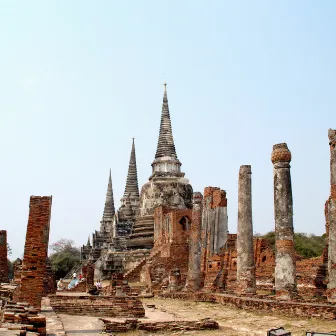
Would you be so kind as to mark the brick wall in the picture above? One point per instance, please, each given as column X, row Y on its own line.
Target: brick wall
column 3, row 256
column 35, row 252
column 287, row 308
column 221, row 270
column 109, row 306
column 173, row 326
column 171, row 248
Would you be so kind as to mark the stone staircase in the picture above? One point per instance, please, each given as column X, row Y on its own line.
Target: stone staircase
column 135, row 270
column 73, row 270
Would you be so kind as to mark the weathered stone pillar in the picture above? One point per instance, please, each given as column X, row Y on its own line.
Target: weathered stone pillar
column 35, row 251
column 285, row 263
column 246, row 282
column 3, row 256
column 331, row 291
column 194, row 266
column 214, row 224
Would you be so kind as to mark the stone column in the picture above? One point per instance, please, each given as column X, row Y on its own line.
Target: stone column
column 246, row 282
column 285, row 263
column 35, row 251
column 331, row 291
column 194, row 266
column 3, row 256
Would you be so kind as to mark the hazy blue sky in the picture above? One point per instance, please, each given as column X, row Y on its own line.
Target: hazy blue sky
column 79, row 79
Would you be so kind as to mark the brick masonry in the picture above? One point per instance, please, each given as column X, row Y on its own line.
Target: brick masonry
column 286, row 308
column 16, row 313
column 134, row 324
column 35, row 252
column 3, row 256
column 109, row 306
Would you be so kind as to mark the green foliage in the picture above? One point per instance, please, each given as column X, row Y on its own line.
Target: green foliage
column 307, row 246
column 9, row 250
column 64, row 257
column 10, row 269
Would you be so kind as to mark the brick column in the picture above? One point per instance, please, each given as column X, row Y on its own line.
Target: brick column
column 194, row 266
column 3, row 256
column 90, row 275
column 331, row 291
column 285, row 263
column 36, row 250
column 246, row 282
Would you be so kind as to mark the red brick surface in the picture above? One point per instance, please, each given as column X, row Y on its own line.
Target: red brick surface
column 3, row 256
column 35, row 252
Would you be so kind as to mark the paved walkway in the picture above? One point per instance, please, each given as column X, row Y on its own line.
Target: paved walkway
column 54, row 324
column 81, row 325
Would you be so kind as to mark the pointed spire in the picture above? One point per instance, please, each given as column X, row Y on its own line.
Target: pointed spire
column 166, row 146
column 88, row 242
column 131, row 188
column 109, row 202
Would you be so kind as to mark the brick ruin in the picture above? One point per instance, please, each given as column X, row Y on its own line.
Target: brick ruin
column 36, row 251
column 194, row 252
column 179, row 240
column 3, row 256
column 109, row 306
column 33, row 277
column 176, row 243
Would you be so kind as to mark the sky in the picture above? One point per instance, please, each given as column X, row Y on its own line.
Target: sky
column 80, row 78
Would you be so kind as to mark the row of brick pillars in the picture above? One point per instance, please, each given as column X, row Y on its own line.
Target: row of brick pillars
column 285, row 268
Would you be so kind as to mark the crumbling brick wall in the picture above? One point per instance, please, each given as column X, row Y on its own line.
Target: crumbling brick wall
column 35, row 252
column 3, row 256
column 171, row 247
column 221, row 269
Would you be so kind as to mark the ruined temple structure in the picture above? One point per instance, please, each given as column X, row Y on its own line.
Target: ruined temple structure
column 166, row 187
column 109, row 243
column 172, row 239
column 126, row 236
column 193, row 250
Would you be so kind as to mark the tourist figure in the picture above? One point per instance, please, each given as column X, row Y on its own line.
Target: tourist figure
column 80, row 277
column 98, row 284
column 72, row 283
column 60, row 284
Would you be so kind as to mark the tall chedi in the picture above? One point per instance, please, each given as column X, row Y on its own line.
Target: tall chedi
column 109, row 210
column 103, row 236
column 125, row 216
column 166, row 186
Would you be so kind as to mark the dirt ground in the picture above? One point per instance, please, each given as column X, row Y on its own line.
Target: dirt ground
column 234, row 322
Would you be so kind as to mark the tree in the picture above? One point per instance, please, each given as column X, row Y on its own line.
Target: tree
column 9, row 250
column 65, row 255
column 307, row 246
